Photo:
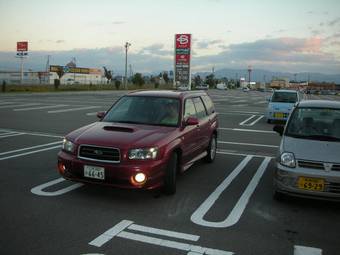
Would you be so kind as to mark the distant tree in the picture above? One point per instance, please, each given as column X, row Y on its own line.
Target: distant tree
column 210, row 79
column 197, row 80
column 108, row 75
column 117, row 84
column 165, row 77
column 137, row 79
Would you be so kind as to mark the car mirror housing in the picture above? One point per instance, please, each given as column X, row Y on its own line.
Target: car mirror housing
column 100, row 115
column 278, row 129
column 191, row 121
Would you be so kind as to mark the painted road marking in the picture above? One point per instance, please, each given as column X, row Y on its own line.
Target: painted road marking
column 29, row 148
column 245, row 122
column 10, row 134
column 242, row 112
column 39, row 108
column 250, row 144
column 6, row 103
column 74, row 109
column 20, row 105
column 119, row 231
column 303, row 250
column 226, row 152
column 248, row 130
column 237, row 211
column 91, row 113
column 30, row 152
column 38, row 190
column 33, row 133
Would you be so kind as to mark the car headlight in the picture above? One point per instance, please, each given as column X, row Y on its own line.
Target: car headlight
column 144, row 153
column 68, row 146
column 287, row 159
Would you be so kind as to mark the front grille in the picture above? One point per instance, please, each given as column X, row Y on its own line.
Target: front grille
column 336, row 168
column 333, row 187
column 102, row 154
column 311, row 164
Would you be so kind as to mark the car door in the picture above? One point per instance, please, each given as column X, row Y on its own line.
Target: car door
column 190, row 143
column 203, row 134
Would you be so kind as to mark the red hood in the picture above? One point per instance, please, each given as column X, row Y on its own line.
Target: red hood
column 121, row 135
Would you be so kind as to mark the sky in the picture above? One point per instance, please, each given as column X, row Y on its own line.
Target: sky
column 289, row 36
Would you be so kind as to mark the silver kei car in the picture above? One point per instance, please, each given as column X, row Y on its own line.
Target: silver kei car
column 308, row 161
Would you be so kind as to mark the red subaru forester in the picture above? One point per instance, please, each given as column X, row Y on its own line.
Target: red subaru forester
column 143, row 141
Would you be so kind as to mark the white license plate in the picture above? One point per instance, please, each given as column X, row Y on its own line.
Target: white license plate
column 94, row 172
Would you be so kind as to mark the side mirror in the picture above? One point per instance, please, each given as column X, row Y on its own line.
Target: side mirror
column 100, row 115
column 191, row 121
column 279, row 129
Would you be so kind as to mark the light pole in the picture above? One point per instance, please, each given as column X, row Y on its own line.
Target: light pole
column 127, row 45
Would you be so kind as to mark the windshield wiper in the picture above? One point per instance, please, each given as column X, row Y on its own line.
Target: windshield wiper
column 318, row 137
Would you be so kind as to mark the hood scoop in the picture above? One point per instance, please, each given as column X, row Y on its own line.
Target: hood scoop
column 118, row 129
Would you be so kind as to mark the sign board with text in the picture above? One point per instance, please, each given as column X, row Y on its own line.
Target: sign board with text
column 182, row 60
column 22, row 46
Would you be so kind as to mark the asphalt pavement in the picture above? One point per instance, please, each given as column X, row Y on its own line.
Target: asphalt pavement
column 222, row 208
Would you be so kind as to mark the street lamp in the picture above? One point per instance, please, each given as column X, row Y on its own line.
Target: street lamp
column 127, row 45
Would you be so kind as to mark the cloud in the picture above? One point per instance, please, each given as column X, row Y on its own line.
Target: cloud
column 206, row 43
column 334, row 22
column 118, row 22
column 60, row 41
column 156, row 49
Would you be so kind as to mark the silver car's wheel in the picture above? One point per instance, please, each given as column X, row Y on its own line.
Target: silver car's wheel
column 211, row 150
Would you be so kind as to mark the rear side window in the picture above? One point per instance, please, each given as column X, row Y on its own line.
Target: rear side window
column 189, row 108
column 208, row 104
column 200, row 109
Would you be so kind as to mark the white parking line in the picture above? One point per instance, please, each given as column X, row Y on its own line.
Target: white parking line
column 246, row 120
column 30, row 152
column 6, row 103
column 74, row 109
column 250, row 144
column 303, row 250
column 10, row 135
column 237, row 211
column 29, row 148
column 119, row 231
column 38, row 190
column 248, row 130
column 255, row 121
column 20, row 105
column 91, row 113
column 41, row 107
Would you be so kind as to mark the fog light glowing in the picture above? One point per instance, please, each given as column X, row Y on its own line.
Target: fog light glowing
column 61, row 167
column 138, row 179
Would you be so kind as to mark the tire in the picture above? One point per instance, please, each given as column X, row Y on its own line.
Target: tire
column 278, row 196
column 170, row 175
column 211, row 150
column 269, row 121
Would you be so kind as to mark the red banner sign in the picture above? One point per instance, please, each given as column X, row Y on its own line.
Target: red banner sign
column 22, row 46
column 182, row 60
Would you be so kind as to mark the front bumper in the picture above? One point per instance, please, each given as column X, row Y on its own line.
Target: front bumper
column 286, row 181
column 116, row 174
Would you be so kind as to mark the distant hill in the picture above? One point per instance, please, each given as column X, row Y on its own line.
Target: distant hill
column 259, row 75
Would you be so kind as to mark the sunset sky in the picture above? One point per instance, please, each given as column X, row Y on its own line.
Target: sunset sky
column 289, row 35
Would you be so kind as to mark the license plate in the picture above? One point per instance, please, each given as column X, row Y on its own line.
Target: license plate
column 94, row 172
column 279, row 115
column 311, row 184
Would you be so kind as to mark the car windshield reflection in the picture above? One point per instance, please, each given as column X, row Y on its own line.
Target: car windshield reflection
column 145, row 110
column 315, row 123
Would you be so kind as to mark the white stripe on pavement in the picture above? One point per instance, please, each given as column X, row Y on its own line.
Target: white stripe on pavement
column 11, row 135
column 248, row 130
column 6, row 103
column 74, row 109
column 91, row 113
column 38, row 190
column 41, row 107
column 29, row 148
column 303, row 250
column 162, row 232
column 30, row 152
column 245, row 121
column 250, row 144
column 255, row 121
column 20, row 105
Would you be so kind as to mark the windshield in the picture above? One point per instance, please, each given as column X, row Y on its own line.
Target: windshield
column 315, row 123
column 145, row 110
column 284, row 97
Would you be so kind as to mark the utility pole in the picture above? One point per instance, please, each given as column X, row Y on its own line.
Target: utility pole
column 127, row 45
column 47, row 76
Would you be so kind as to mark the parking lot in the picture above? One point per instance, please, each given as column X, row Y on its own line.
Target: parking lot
column 222, row 208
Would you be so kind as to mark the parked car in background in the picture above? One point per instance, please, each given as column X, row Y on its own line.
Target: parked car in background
column 202, row 87
column 221, row 86
column 280, row 104
column 245, row 89
column 308, row 161
column 143, row 141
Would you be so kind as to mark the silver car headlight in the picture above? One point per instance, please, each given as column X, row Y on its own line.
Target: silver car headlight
column 143, row 153
column 68, row 146
column 288, row 159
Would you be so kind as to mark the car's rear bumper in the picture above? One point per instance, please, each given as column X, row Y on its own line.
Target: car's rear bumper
column 116, row 174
